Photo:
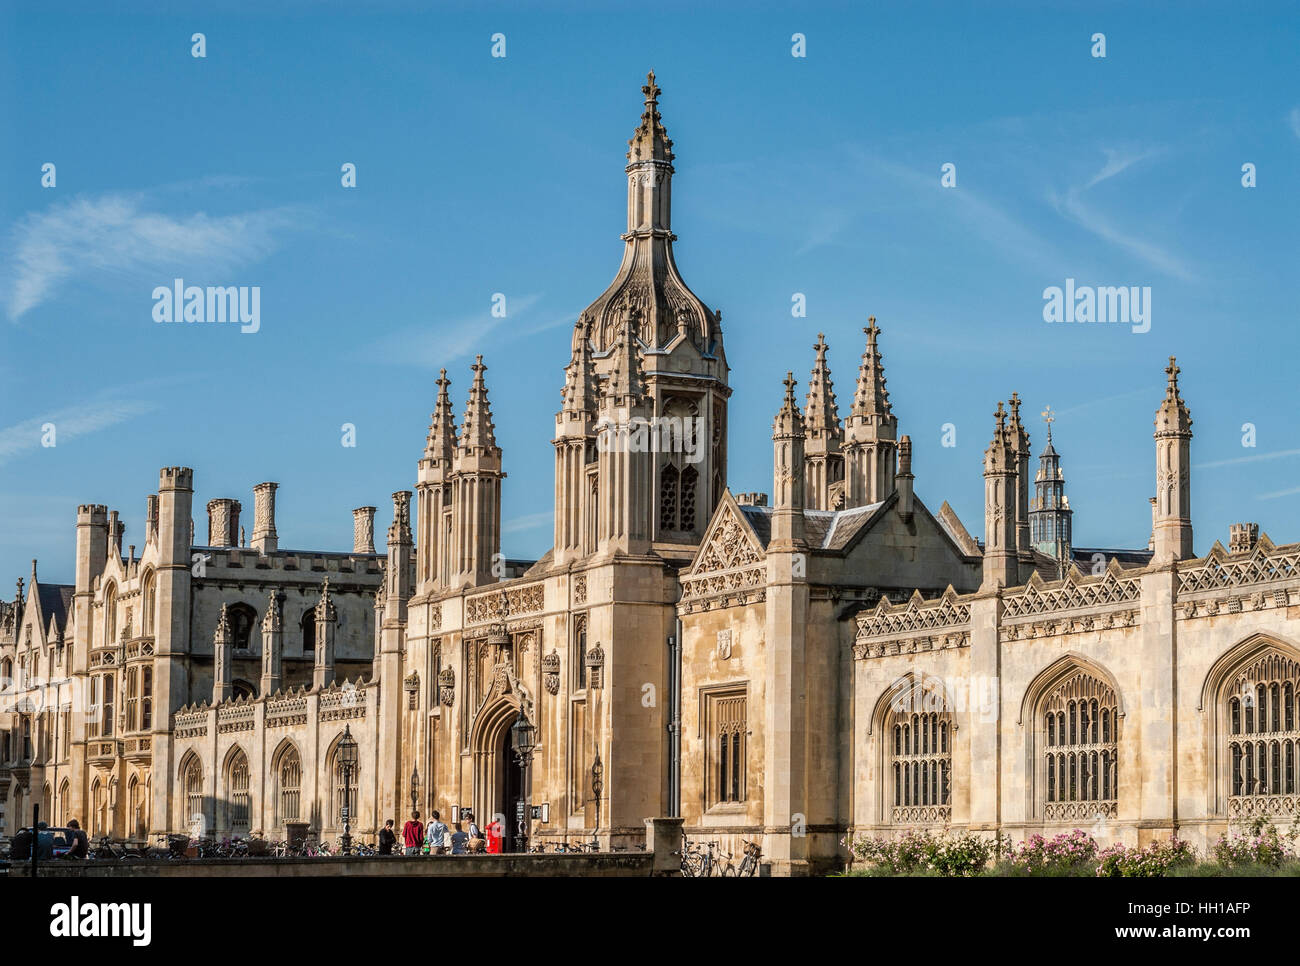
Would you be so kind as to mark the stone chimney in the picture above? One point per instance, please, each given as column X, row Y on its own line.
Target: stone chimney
column 751, row 499
column 151, row 517
column 1242, row 537
column 264, row 536
column 1151, row 541
column 115, row 530
column 223, row 522
column 363, row 529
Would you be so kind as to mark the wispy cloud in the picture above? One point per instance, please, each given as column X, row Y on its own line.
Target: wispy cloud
column 115, row 236
column 529, row 522
column 1072, row 205
column 70, row 422
column 1279, row 493
column 1294, row 119
column 1253, row 458
column 442, row 342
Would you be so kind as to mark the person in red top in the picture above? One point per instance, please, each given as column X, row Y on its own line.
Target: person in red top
column 494, row 838
column 413, row 835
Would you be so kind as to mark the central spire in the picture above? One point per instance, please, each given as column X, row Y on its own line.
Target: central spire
column 647, row 279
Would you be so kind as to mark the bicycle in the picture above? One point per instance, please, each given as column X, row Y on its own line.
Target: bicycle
column 749, row 864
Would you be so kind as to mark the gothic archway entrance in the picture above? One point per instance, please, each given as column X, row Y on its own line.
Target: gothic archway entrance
column 496, row 777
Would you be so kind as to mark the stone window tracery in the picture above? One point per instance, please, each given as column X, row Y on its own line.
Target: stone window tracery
column 1079, row 759
column 919, row 731
column 727, row 747
column 289, row 777
column 237, row 787
column 1263, row 717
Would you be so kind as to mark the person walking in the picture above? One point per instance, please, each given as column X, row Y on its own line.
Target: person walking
column 413, row 835
column 387, row 838
column 435, row 838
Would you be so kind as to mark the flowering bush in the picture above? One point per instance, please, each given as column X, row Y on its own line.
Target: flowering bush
column 1154, row 861
column 1261, row 845
column 924, row 853
column 1061, row 855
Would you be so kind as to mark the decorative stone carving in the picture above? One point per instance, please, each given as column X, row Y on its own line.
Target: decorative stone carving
column 724, row 644
column 551, row 673
column 595, row 666
column 447, row 686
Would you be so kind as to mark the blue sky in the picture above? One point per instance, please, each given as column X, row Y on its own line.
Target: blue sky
column 478, row 175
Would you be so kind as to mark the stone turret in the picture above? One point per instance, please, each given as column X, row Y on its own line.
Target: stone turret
column 1020, row 452
column 327, row 618
column 625, row 463
column 574, row 448
column 824, row 452
column 1173, row 436
column 272, row 645
column 871, row 432
column 223, row 645
column 1001, row 567
column 788, row 501
column 434, row 492
column 476, row 493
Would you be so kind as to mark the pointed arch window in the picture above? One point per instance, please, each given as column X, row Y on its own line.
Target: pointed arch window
column 110, row 614
column 1078, row 764
column 149, row 603
column 1263, row 747
column 192, row 784
column 288, row 775
column 308, row 626
column 242, row 621
column 237, row 781
column 337, row 789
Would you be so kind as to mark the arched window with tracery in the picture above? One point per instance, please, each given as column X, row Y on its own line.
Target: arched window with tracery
column 1078, row 763
column 99, row 808
column 239, row 801
column 192, row 785
column 919, row 735
column 288, row 775
column 1263, row 752
column 677, row 439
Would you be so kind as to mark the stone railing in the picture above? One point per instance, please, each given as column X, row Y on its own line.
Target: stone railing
column 1251, row 806
column 236, row 716
column 287, row 711
column 739, row 586
column 190, row 724
column 922, row 814
column 347, row 700
column 1079, row 811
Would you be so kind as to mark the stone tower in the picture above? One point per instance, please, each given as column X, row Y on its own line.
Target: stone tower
column 1173, row 435
column 871, row 432
column 824, row 451
column 678, row 341
column 1050, row 514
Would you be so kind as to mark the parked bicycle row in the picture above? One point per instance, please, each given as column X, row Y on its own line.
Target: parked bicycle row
column 709, row 860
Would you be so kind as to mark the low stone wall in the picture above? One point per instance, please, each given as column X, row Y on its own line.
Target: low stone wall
column 600, row 864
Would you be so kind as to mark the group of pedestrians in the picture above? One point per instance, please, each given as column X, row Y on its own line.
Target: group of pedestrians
column 435, row 838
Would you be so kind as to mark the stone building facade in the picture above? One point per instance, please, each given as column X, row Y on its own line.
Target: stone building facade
column 832, row 658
